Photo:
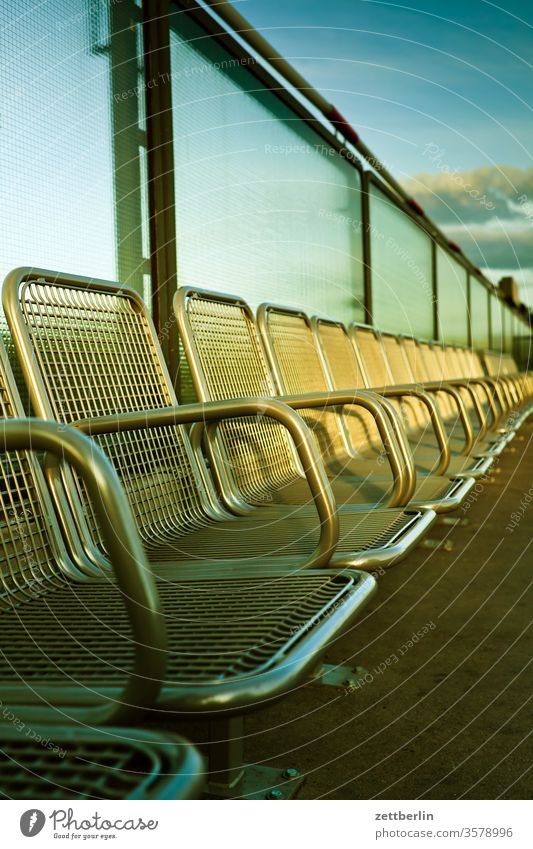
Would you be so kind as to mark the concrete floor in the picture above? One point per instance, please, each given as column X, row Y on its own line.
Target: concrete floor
column 450, row 717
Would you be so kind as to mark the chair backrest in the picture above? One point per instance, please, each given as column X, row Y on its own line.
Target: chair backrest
column 476, row 365
column 440, row 356
column 88, row 348
column 416, row 361
column 456, row 360
column 227, row 360
column 34, row 563
column 33, row 560
column 398, row 363
column 296, row 364
column 368, row 344
column 495, row 363
column 431, row 359
column 510, row 364
column 345, row 371
column 463, row 363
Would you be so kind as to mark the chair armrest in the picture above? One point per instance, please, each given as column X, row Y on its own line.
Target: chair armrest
column 436, row 386
column 466, row 384
column 215, row 411
column 435, row 418
column 402, row 466
column 126, row 553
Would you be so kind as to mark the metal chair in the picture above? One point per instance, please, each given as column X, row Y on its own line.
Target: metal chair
column 226, row 358
column 488, row 438
column 63, row 762
column 293, row 355
column 516, row 387
column 400, row 372
column 246, row 626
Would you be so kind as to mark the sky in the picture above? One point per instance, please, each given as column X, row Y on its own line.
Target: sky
column 443, row 94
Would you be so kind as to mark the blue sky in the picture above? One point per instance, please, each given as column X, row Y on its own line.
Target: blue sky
column 433, row 88
column 413, row 74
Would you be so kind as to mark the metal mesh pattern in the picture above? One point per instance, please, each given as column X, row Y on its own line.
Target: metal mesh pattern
column 415, row 359
column 28, row 566
column 435, row 370
column 430, row 359
column 226, row 342
column 415, row 416
column 439, row 357
column 399, row 366
column 249, row 217
column 301, row 371
column 346, row 373
column 217, row 630
column 379, row 373
column 96, row 768
column 97, row 357
column 378, row 528
column 454, row 362
column 372, row 357
column 495, row 364
column 249, row 540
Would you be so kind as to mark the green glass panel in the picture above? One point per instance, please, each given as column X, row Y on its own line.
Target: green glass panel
column 479, row 311
column 401, row 260
column 264, row 208
column 452, row 299
column 58, row 124
column 496, row 324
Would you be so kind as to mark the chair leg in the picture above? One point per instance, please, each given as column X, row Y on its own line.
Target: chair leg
column 230, row 778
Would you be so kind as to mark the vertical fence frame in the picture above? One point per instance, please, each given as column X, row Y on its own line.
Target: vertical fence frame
column 162, row 200
column 161, row 193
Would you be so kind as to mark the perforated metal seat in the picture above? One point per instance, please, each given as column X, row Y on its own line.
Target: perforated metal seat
column 253, row 458
column 516, row 387
column 56, row 762
column 88, row 348
column 294, row 357
column 477, row 397
column 223, row 635
column 225, row 644
column 112, row 646
column 384, row 358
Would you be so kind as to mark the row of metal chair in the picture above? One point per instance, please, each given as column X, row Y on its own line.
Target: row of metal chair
column 218, row 623
column 314, row 453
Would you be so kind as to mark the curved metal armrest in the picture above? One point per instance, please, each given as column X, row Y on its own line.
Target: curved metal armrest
column 435, row 417
column 127, row 556
column 502, row 387
column 402, row 466
column 437, row 386
column 480, row 381
column 467, row 384
column 215, row 411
